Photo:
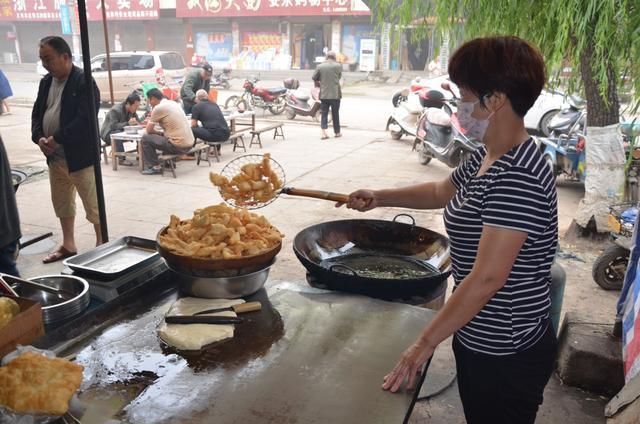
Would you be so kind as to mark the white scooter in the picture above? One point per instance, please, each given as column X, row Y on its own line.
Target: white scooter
column 406, row 112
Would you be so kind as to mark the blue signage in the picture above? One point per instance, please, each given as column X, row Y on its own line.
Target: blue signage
column 65, row 19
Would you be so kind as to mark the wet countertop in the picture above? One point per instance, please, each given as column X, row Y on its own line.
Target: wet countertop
column 309, row 356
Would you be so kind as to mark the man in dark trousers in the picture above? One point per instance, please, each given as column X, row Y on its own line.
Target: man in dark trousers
column 328, row 75
column 60, row 126
column 118, row 117
column 9, row 220
column 214, row 126
column 198, row 79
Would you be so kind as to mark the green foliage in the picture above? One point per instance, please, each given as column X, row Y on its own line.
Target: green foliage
column 607, row 30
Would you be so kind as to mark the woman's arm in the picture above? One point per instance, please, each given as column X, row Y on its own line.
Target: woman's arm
column 433, row 195
column 497, row 252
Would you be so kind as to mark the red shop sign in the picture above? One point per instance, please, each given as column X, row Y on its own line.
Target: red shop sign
column 48, row 10
column 231, row 8
column 123, row 10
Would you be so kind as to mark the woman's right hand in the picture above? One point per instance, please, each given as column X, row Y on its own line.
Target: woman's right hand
column 362, row 200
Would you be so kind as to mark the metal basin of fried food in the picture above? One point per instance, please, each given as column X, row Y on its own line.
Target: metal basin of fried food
column 57, row 307
column 224, row 287
column 215, row 268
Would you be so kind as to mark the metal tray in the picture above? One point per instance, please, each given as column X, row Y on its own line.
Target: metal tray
column 115, row 258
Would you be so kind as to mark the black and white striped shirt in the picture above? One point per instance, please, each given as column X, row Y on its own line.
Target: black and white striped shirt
column 517, row 192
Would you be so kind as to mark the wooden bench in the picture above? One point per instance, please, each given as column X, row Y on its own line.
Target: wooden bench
column 255, row 134
column 238, row 139
column 201, row 150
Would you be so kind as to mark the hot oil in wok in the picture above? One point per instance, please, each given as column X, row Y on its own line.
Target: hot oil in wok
column 380, row 267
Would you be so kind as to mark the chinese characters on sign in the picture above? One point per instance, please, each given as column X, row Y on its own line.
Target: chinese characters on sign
column 49, row 10
column 227, row 8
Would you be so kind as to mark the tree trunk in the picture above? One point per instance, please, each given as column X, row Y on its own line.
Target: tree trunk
column 602, row 111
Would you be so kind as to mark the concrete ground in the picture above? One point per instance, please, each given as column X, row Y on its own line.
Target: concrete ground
column 365, row 157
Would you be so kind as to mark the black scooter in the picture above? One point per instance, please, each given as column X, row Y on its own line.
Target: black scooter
column 439, row 134
column 222, row 79
column 564, row 121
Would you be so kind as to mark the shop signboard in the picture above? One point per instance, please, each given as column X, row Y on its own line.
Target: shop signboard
column 65, row 19
column 49, row 10
column 351, row 36
column 214, row 46
column 124, row 10
column 368, row 54
column 238, row 8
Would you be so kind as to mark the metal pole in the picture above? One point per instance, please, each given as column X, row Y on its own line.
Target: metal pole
column 106, row 46
column 93, row 117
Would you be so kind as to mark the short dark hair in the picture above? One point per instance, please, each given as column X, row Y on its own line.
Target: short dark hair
column 504, row 64
column 132, row 98
column 155, row 93
column 56, row 43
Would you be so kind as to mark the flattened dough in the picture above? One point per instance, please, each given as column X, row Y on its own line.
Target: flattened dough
column 196, row 336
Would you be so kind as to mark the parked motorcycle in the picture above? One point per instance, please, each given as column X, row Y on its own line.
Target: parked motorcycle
column 610, row 267
column 630, row 132
column 439, row 134
column 405, row 114
column 566, row 155
column 571, row 118
column 302, row 102
column 253, row 97
column 222, row 79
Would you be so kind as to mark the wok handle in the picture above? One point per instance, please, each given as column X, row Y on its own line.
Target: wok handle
column 316, row 194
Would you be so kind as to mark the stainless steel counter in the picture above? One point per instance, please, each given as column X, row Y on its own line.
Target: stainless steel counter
column 308, row 357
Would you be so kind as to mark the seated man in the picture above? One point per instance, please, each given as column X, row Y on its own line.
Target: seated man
column 214, row 126
column 175, row 138
column 120, row 116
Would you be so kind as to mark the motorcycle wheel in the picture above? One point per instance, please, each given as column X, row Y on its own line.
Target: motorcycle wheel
column 423, row 155
column 226, row 85
column 290, row 113
column 544, row 122
column 278, row 106
column 231, row 101
column 609, row 268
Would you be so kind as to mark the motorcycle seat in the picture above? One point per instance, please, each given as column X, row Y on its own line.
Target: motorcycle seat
column 278, row 90
column 438, row 117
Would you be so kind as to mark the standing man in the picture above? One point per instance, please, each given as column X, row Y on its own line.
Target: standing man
column 197, row 79
column 120, row 116
column 60, row 124
column 9, row 220
column 328, row 75
column 175, row 138
column 214, row 126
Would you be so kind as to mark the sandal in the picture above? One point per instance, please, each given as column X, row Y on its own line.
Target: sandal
column 326, row 137
column 338, row 135
column 58, row 255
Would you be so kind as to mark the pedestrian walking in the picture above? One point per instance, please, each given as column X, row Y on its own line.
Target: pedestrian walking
column 328, row 75
column 5, row 93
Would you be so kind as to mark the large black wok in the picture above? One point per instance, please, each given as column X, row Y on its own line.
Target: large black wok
column 384, row 259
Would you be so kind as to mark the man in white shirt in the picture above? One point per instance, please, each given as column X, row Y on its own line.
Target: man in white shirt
column 175, row 138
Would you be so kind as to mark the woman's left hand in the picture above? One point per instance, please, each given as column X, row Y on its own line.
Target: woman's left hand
column 409, row 366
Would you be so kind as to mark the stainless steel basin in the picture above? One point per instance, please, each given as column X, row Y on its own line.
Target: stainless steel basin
column 224, row 287
column 58, row 307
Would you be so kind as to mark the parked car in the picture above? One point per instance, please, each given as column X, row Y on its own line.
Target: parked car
column 129, row 69
column 546, row 106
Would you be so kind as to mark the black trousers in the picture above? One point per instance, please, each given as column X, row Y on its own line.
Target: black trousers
column 334, row 104
column 504, row 389
column 206, row 134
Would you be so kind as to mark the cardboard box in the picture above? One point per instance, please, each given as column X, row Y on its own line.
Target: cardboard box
column 24, row 328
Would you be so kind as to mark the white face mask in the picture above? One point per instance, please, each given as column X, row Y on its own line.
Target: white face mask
column 473, row 128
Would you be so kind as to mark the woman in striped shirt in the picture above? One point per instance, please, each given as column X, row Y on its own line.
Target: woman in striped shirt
column 501, row 218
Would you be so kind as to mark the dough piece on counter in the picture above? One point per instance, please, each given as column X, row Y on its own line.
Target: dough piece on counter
column 8, row 309
column 196, row 336
column 33, row 383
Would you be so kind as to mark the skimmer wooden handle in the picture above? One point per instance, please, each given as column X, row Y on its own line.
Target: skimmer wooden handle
column 247, row 307
column 316, row 194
